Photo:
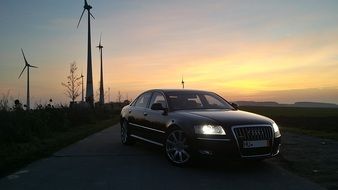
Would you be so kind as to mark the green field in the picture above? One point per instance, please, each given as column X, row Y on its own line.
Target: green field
column 320, row 122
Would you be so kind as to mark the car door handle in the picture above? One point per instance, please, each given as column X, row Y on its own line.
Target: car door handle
column 145, row 113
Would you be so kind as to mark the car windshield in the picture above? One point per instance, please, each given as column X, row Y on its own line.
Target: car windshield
column 196, row 100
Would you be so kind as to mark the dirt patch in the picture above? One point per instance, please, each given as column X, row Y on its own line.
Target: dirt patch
column 311, row 157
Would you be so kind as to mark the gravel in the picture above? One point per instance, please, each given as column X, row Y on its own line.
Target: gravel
column 311, row 157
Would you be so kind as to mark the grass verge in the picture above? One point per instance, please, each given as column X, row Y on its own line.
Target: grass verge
column 310, row 157
column 16, row 155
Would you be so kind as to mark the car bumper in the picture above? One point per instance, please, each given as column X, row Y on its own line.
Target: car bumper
column 229, row 148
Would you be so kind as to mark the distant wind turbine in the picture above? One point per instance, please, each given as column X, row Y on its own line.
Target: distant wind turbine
column 89, row 88
column 82, row 99
column 27, row 66
column 101, row 76
column 109, row 94
column 182, row 82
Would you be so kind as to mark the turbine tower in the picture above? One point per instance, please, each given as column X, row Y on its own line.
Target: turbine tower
column 89, row 87
column 82, row 99
column 101, row 101
column 182, row 82
column 27, row 66
column 109, row 94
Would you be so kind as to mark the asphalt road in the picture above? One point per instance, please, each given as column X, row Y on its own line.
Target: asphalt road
column 102, row 162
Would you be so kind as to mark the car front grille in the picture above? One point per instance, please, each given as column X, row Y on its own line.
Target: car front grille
column 251, row 134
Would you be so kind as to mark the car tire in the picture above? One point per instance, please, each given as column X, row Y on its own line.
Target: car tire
column 126, row 139
column 177, row 148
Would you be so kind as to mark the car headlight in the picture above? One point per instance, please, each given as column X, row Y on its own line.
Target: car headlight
column 276, row 130
column 209, row 130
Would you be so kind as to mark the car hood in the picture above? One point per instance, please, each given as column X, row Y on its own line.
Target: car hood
column 231, row 117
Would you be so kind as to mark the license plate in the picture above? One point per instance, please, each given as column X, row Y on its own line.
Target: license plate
column 255, row 144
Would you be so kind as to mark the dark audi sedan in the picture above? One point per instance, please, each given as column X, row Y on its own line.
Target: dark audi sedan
column 189, row 123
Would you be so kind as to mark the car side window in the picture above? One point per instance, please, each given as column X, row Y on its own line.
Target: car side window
column 133, row 102
column 143, row 100
column 213, row 102
column 158, row 98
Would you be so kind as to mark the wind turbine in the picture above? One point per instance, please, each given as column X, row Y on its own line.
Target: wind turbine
column 26, row 66
column 101, row 77
column 82, row 100
column 109, row 94
column 89, row 89
column 182, row 82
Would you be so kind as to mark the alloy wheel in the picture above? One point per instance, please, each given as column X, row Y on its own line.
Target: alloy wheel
column 177, row 147
column 124, row 132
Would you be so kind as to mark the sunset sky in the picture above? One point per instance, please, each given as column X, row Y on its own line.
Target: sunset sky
column 284, row 51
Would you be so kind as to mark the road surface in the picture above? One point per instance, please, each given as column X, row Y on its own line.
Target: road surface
column 102, row 162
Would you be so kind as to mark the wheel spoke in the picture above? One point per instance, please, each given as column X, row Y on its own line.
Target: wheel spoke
column 180, row 156
column 171, row 149
column 175, row 154
column 185, row 154
column 170, row 142
column 175, row 138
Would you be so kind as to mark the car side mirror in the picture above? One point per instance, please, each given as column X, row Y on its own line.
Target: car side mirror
column 234, row 105
column 158, row 106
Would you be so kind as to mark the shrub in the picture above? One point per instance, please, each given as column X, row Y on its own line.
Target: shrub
column 24, row 126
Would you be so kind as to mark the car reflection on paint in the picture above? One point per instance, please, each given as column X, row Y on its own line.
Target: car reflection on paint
column 189, row 123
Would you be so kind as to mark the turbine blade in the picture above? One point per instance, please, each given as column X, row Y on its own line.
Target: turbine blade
column 80, row 18
column 85, row 1
column 100, row 38
column 91, row 15
column 22, row 71
column 33, row 66
column 24, row 57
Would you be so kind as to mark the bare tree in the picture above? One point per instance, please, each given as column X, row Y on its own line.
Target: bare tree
column 73, row 83
column 4, row 102
column 119, row 97
column 97, row 93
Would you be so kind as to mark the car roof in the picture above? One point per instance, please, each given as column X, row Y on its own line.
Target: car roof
column 178, row 90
